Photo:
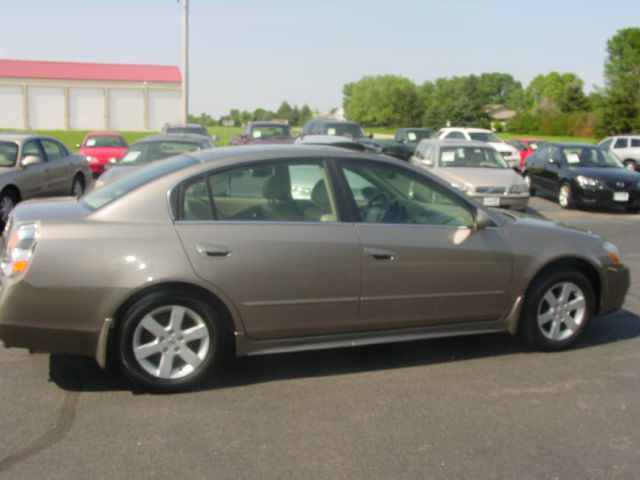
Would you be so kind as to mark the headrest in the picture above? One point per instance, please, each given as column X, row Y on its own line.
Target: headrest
column 277, row 188
column 319, row 194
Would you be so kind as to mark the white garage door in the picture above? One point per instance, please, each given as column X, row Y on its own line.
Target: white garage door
column 164, row 106
column 11, row 107
column 46, row 108
column 126, row 110
column 86, row 108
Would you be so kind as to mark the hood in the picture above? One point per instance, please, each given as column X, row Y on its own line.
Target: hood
column 480, row 177
column 503, row 147
column 50, row 208
column 606, row 174
column 103, row 153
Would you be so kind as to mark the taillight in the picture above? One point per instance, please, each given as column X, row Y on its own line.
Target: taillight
column 18, row 249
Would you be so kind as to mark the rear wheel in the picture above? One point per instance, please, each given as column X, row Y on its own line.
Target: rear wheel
column 8, row 201
column 565, row 196
column 77, row 187
column 557, row 309
column 169, row 341
column 527, row 180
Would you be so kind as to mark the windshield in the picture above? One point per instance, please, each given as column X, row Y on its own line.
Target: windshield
column 112, row 191
column 348, row 129
column 590, row 157
column 474, row 157
column 147, row 152
column 102, row 141
column 8, row 154
column 414, row 136
column 270, row 131
column 485, row 137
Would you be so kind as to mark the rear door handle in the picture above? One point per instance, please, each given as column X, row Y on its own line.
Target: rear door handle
column 207, row 250
column 380, row 254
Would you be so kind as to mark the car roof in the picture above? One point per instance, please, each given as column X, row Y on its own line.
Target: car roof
column 328, row 120
column 413, row 129
column 181, row 124
column 258, row 123
column 455, row 142
column 105, row 134
column 174, row 137
column 466, row 129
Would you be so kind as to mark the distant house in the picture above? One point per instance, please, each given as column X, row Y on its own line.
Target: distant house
column 227, row 122
column 334, row 114
column 499, row 113
column 87, row 96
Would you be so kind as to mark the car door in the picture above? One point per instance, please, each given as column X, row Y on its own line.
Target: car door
column 423, row 263
column 267, row 236
column 59, row 167
column 552, row 172
column 32, row 178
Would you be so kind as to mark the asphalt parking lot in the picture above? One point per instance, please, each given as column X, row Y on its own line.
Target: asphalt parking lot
column 471, row 407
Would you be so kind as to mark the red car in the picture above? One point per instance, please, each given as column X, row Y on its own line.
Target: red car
column 526, row 146
column 100, row 147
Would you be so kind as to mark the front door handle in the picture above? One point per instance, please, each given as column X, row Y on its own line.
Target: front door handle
column 380, row 254
column 207, row 250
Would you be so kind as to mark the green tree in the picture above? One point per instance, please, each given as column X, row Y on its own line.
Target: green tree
column 500, row 88
column 620, row 112
column 305, row 114
column 456, row 101
column 383, row 100
column 284, row 112
column 563, row 92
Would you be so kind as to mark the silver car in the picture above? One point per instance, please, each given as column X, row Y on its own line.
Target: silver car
column 213, row 250
column 626, row 148
column 474, row 168
column 38, row 166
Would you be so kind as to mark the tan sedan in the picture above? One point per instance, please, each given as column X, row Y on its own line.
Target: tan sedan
column 38, row 166
column 277, row 249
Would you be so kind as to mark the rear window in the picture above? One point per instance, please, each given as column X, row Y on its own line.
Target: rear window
column 8, row 154
column 147, row 152
column 112, row 191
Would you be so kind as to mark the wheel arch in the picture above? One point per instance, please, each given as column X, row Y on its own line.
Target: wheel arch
column 13, row 188
column 219, row 306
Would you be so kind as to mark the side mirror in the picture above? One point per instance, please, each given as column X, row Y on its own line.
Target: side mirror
column 427, row 163
column 30, row 160
column 482, row 219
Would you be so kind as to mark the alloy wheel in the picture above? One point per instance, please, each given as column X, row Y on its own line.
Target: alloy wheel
column 561, row 311
column 564, row 197
column 7, row 203
column 171, row 342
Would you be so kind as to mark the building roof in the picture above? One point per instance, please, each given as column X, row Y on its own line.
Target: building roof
column 89, row 71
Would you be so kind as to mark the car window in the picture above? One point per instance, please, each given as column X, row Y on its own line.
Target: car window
column 297, row 191
column 430, row 153
column 8, row 154
column 606, row 143
column 389, row 194
column 635, row 142
column 620, row 143
column 470, row 157
column 147, row 152
column 105, row 141
column 32, row 148
column 54, row 150
column 485, row 137
column 590, row 157
column 456, row 135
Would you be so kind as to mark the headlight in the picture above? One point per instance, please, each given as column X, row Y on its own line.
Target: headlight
column 587, row 181
column 613, row 252
column 91, row 159
column 18, row 250
column 460, row 186
column 522, row 188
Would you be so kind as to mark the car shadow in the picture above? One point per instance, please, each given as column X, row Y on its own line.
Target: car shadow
column 83, row 374
column 586, row 208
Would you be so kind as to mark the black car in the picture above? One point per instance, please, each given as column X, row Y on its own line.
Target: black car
column 355, row 131
column 582, row 174
column 412, row 136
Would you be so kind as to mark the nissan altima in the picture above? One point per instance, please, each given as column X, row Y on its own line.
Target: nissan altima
column 275, row 249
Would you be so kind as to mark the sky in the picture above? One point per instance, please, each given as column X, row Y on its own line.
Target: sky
column 253, row 53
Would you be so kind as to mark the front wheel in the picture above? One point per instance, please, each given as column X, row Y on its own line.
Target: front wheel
column 77, row 187
column 565, row 196
column 557, row 309
column 169, row 341
column 527, row 180
column 7, row 202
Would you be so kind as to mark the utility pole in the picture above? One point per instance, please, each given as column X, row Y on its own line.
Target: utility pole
column 185, row 60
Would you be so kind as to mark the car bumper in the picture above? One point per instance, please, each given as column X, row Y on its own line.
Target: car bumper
column 605, row 198
column 96, row 168
column 504, row 201
column 616, row 283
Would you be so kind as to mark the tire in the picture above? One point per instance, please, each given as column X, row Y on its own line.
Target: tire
column 565, row 196
column 630, row 165
column 152, row 349
column 8, row 201
column 527, row 180
column 77, row 186
column 557, row 309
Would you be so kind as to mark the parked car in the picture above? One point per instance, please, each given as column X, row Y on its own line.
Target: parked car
column 474, row 168
column 324, row 127
column 263, row 133
column 626, row 148
column 210, row 251
column 509, row 153
column 412, row 136
column 153, row 148
column 38, row 166
column 581, row 174
column 191, row 128
column 526, row 147
column 101, row 147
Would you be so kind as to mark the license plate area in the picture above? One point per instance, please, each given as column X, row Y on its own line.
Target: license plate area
column 491, row 201
column 620, row 196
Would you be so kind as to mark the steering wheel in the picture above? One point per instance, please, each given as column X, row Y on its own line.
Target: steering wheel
column 377, row 207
